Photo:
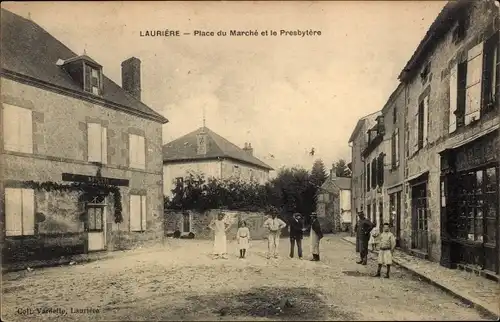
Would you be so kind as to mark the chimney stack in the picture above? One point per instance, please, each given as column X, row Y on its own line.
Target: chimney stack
column 131, row 77
column 248, row 148
column 333, row 172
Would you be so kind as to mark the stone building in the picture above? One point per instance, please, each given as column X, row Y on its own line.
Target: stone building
column 333, row 204
column 393, row 113
column 80, row 156
column 358, row 142
column 209, row 154
column 451, row 169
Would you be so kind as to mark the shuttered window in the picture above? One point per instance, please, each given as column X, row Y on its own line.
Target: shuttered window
column 473, row 84
column 452, row 125
column 137, row 151
column 490, row 73
column 97, row 136
column 18, row 129
column 395, row 149
column 423, row 123
column 374, row 173
column 461, row 92
column 367, row 174
column 137, row 213
column 19, row 212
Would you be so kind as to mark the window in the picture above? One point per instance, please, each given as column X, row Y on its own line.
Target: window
column 473, row 84
column 452, row 125
column 367, row 174
column 137, row 213
column 137, row 152
column 18, row 129
column 19, row 212
column 374, row 174
column 95, row 222
column 491, row 71
column 423, row 122
column 395, row 149
column 92, row 80
column 424, row 75
column 97, row 143
column 394, row 115
column 380, row 170
column 322, row 210
column 460, row 30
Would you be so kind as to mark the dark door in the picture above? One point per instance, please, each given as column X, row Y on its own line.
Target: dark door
column 419, row 217
column 186, row 225
column 395, row 215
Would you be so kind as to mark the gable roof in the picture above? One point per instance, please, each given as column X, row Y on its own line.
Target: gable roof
column 360, row 125
column 29, row 51
column 184, row 149
column 333, row 184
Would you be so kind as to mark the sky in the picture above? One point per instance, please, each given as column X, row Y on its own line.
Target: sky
column 283, row 94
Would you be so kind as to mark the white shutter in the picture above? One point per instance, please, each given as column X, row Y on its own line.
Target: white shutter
column 135, row 213
column 453, row 99
column 426, row 121
column 414, row 142
column 141, row 152
column 143, row 212
column 104, row 145
column 13, row 212
column 94, row 142
column 28, row 198
column 11, row 126
column 473, row 87
column 132, row 150
column 396, row 145
column 25, row 130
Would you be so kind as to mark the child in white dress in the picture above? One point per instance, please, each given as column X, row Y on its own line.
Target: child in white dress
column 243, row 238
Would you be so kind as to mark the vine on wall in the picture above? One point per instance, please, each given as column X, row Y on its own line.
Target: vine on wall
column 82, row 187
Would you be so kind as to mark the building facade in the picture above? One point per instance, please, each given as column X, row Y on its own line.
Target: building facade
column 333, row 204
column 358, row 142
column 442, row 181
column 81, row 156
column 451, row 175
column 204, row 152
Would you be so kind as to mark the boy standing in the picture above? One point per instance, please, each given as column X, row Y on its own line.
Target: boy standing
column 387, row 243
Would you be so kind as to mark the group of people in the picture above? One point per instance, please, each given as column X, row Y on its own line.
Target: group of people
column 274, row 227
column 386, row 242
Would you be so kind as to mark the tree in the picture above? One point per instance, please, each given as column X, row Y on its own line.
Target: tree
column 318, row 173
column 341, row 169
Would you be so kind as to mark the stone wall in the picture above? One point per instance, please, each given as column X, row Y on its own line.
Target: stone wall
column 200, row 222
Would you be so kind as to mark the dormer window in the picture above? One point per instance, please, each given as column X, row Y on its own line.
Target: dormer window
column 92, row 80
column 86, row 72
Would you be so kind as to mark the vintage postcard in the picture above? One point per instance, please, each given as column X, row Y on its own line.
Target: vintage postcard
column 250, row 160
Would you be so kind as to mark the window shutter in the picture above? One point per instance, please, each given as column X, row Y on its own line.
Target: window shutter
column 94, row 142
column 132, row 150
column 380, row 170
column 11, row 126
column 87, row 77
column 393, row 150
column 473, row 83
column 461, row 86
column 25, row 130
column 490, row 71
column 135, row 213
column 453, row 99
column 425, row 122
column 396, row 145
column 28, row 204
column 367, row 179
column 104, row 145
column 141, row 152
column 143, row 213
column 420, row 126
column 13, row 212
column 374, row 173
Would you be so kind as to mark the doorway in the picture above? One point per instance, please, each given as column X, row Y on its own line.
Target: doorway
column 95, row 225
column 186, row 222
column 395, row 220
column 419, row 217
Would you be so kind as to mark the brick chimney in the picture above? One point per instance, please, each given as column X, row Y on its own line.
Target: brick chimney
column 201, row 142
column 248, row 148
column 131, row 77
column 333, row 172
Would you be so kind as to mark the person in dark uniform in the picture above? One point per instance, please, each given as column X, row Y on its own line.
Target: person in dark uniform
column 316, row 236
column 296, row 234
column 363, row 234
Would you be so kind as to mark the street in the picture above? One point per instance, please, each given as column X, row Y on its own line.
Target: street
column 180, row 281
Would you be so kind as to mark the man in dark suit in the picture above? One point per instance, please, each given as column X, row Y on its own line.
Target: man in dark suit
column 296, row 234
column 364, row 227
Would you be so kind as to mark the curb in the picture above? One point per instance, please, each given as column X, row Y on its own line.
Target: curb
column 479, row 307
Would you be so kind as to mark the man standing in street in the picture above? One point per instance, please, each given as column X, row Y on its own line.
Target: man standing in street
column 296, row 234
column 316, row 235
column 363, row 234
column 274, row 226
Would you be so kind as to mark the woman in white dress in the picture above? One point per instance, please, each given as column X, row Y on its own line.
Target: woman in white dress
column 243, row 238
column 219, row 226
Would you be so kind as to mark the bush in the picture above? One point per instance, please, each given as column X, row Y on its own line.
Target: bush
column 177, row 234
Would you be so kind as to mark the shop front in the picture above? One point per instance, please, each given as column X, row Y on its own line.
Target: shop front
column 470, row 205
